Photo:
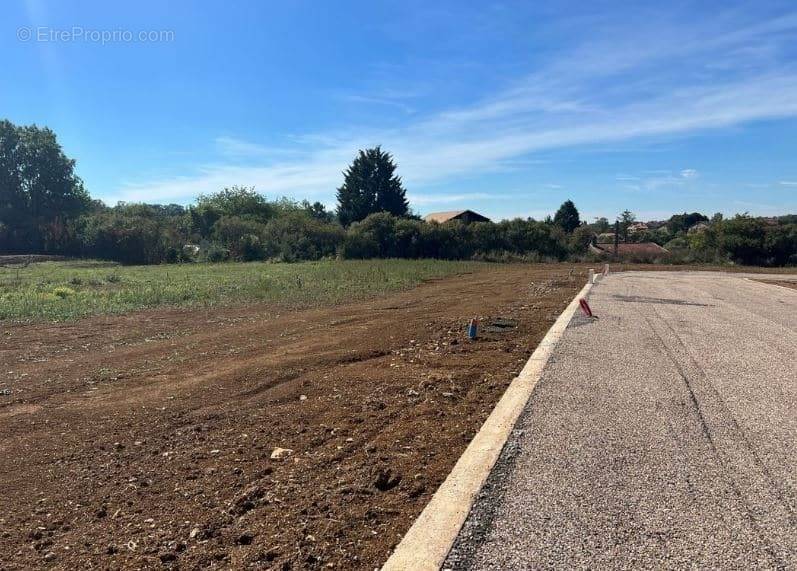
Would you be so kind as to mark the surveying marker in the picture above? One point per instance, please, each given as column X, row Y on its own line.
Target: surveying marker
column 585, row 309
column 473, row 329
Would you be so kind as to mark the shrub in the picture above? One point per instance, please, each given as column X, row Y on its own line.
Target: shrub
column 298, row 236
column 63, row 292
column 215, row 253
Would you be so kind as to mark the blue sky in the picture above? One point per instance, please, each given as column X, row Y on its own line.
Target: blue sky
column 506, row 108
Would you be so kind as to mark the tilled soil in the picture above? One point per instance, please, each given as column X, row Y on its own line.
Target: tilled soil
column 146, row 440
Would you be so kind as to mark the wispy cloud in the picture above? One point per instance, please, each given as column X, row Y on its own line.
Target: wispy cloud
column 654, row 180
column 788, row 183
column 376, row 100
column 423, row 199
column 597, row 94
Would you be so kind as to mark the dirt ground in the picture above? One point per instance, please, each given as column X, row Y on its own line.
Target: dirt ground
column 146, row 440
column 782, row 283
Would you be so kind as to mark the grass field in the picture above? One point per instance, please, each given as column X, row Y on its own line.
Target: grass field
column 60, row 291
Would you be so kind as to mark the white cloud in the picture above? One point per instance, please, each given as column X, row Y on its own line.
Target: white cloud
column 788, row 182
column 423, row 199
column 573, row 101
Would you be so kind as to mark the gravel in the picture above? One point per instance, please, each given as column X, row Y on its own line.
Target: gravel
column 662, row 435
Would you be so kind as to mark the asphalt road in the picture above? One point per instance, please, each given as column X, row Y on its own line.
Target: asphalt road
column 662, row 435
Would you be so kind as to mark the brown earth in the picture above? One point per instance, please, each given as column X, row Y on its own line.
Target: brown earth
column 145, row 440
column 782, row 283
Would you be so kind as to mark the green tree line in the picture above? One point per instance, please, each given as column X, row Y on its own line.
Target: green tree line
column 44, row 208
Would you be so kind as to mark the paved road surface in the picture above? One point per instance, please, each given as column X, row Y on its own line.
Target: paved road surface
column 663, row 435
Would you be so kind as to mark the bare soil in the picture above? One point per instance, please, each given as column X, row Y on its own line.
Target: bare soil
column 146, row 440
column 782, row 283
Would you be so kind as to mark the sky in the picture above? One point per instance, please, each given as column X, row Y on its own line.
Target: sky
column 506, row 108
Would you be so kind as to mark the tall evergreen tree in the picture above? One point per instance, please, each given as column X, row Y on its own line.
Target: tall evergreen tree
column 567, row 217
column 371, row 185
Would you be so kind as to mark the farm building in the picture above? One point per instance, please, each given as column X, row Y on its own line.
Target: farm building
column 466, row 216
column 642, row 251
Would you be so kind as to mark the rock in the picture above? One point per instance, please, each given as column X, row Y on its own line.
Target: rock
column 281, row 453
column 302, row 397
column 49, row 556
column 448, row 395
column 412, row 393
column 194, row 533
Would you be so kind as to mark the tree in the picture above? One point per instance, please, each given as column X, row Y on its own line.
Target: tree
column 318, row 211
column 567, row 217
column 370, row 185
column 601, row 225
column 39, row 191
column 626, row 219
column 683, row 222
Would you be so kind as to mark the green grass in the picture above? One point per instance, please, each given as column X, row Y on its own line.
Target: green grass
column 62, row 291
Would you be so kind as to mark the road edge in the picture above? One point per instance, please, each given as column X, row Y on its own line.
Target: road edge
column 426, row 544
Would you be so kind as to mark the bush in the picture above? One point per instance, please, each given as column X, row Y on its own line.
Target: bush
column 297, row 235
column 126, row 239
column 215, row 253
column 63, row 292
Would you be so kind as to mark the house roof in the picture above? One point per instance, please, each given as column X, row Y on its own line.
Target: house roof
column 442, row 217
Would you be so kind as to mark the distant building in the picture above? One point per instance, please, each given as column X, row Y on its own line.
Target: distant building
column 466, row 216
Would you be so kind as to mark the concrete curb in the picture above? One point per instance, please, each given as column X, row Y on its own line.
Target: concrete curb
column 428, row 541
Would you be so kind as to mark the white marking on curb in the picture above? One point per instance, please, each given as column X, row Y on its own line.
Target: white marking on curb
column 428, row 541
column 591, row 278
